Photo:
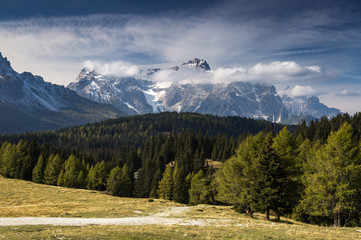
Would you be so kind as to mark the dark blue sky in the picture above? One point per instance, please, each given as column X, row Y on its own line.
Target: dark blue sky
column 35, row 8
column 312, row 44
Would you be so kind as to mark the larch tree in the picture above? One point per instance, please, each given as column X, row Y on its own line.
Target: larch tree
column 333, row 179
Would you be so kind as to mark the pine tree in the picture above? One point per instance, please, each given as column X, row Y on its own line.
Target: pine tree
column 288, row 174
column 126, row 182
column 97, row 177
column 180, row 186
column 52, row 169
column 197, row 185
column 264, row 191
column 60, row 181
column 38, row 171
column 155, row 183
column 165, row 188
column 201, row 190
column 114, row 181
column 238, row 179
column 8, row 159
column 72, row 169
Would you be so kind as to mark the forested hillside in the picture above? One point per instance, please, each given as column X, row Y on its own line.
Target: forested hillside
column 109, row 139
column 313, row 175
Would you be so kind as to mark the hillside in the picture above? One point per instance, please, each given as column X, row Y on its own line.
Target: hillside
column 135, row 130
column 25, row 199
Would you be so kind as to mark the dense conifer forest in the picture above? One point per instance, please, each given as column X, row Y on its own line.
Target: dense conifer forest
column 311, row 172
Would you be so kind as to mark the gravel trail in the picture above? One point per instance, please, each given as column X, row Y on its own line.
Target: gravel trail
column 163, row 218
column 99, row 221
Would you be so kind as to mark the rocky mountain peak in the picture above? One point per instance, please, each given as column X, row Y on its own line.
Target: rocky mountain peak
column 197, row 63
column 4, row 65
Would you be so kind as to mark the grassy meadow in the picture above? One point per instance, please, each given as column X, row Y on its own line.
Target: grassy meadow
column 25, row 199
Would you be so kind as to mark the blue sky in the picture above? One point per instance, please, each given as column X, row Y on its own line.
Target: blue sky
column 312, row 46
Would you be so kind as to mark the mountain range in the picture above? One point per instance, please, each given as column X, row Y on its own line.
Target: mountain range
column 141, row 95
column 28, row 103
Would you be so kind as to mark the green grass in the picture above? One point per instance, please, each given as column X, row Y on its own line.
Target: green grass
column 20, row 198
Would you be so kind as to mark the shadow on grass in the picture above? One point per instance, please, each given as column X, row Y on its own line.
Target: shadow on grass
column 271, row 219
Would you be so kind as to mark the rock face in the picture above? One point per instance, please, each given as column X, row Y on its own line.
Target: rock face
column 307, row 106
column 135, row 95
column 32, row 104
column 197, row 63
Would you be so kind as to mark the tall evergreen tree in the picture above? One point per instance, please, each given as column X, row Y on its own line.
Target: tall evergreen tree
column 97, row 177
column 155, row 184
column 52, row 169
column 8, row 159
column 288, row 178
column 165, row 188
column 38, row 171
column 337, row 172
column 200, row 191
column 180, row 186
column 72, row 169
column 114, row 184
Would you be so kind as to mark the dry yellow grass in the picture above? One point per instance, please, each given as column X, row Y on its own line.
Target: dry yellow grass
column 26, row 199
column 23, row 199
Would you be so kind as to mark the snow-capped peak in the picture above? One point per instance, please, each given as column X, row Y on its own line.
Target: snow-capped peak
column 197, row 63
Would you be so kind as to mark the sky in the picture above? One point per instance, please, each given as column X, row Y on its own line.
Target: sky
column 314, row 47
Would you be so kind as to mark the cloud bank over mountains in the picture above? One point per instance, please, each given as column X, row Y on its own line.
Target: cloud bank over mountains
column 271, row 73
column 303, row 43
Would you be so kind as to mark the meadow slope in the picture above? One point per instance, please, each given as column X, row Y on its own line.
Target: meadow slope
column 25, row 199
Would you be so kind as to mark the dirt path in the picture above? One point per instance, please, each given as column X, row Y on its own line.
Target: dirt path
column 166, row 217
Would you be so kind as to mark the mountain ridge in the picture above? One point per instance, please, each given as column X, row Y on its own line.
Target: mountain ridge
column 31, row 104
column 144, row 95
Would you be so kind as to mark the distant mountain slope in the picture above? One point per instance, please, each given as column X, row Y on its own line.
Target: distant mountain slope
column 27, row 103
column 141, row 95
column 136, row 130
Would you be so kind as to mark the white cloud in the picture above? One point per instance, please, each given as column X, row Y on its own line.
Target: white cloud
column 284, row 71
column 299, row 91
column 117, row 68
column 270, row 73
column 347, row 93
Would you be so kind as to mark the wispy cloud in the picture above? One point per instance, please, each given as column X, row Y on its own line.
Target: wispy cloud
column 54, row 42
column 269, row 73
column 347, row 93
